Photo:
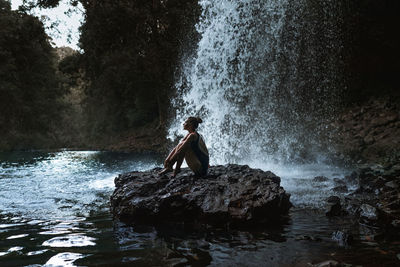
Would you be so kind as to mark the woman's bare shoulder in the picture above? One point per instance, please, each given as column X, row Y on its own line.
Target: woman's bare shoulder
column 192, row 136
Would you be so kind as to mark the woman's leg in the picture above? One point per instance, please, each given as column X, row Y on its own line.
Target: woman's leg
column 172, row 158
column 179, row 161
column 168, row 159
column 168, row 164
column 171, row 155
column 177, row 155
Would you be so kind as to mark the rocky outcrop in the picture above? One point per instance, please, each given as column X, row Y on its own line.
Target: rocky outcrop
column 369, row 132
column 230, row 194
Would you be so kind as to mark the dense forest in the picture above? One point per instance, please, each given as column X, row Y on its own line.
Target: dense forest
column 29, row 85
column 123, row 79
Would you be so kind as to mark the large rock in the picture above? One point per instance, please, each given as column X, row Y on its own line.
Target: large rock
column 231, row 194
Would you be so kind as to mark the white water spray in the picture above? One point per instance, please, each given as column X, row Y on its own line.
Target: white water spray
column 264, row 80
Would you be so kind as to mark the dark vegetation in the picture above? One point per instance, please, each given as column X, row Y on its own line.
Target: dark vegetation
column 120, row 82
column 29, row 86
column 123, row 78
column 372, row 49
column 130, row 54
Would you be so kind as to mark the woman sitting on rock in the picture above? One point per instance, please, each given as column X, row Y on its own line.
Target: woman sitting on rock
column 192, row 148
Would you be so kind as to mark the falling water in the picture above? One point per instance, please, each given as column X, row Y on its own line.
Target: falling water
column 265, row 79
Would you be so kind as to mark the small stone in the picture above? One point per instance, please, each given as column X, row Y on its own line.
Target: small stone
column 320, row 179
column 343, row 237
column 396, row 224
column 368, row 212
column 392, row 184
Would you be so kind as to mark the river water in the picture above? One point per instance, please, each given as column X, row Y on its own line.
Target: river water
column 54, row 211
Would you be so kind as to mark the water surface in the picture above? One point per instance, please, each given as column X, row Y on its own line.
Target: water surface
column 54, row 211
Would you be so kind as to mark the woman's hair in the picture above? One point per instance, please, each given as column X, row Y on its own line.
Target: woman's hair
column 194, row 121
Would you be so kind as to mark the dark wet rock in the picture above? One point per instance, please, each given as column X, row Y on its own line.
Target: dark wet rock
column 340, row 189
column 352, row 204
column 343, row 237
column 392, row 171
column 368, row 214
column 334, row 207
column 339, row 181
column 333, row 199
column 396, row 224
column 392, row 184
column 380, row 196
column 320, row 179
column 352, row 179
column 334, row 210
column 232, row 194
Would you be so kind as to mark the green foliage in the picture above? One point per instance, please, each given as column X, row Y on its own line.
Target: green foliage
column 29, row 89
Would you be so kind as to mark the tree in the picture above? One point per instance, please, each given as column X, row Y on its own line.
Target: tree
column 29, row 89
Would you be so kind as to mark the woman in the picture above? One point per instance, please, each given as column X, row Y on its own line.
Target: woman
column 192, row 148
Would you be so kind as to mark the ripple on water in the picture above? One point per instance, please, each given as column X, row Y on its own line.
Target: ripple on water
column 14, row 249
column 72, row 240
column 62, row 227
column 64, row 259
column 55, row 232
column 17, row 236
column 35, row 222
column 8, row 225
column 37, row 252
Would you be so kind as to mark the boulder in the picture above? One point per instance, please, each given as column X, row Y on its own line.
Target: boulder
column 368, row 214
column 320, row 179
column 343, row 237
column 340, row 189
column 229, row 194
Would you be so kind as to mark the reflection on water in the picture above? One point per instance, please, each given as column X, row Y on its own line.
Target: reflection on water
column 71, row 240
column 54, row 205
column 54, row 211
column 64, row 259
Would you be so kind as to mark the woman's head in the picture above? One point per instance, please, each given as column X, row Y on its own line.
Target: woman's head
column 192, row 123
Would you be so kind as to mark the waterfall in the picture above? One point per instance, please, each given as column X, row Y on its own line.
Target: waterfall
column 265, row 79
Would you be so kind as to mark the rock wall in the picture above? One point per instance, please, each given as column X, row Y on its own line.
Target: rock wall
column 369, row 132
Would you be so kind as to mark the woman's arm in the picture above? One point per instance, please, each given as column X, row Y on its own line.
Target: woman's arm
column 181, row 148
